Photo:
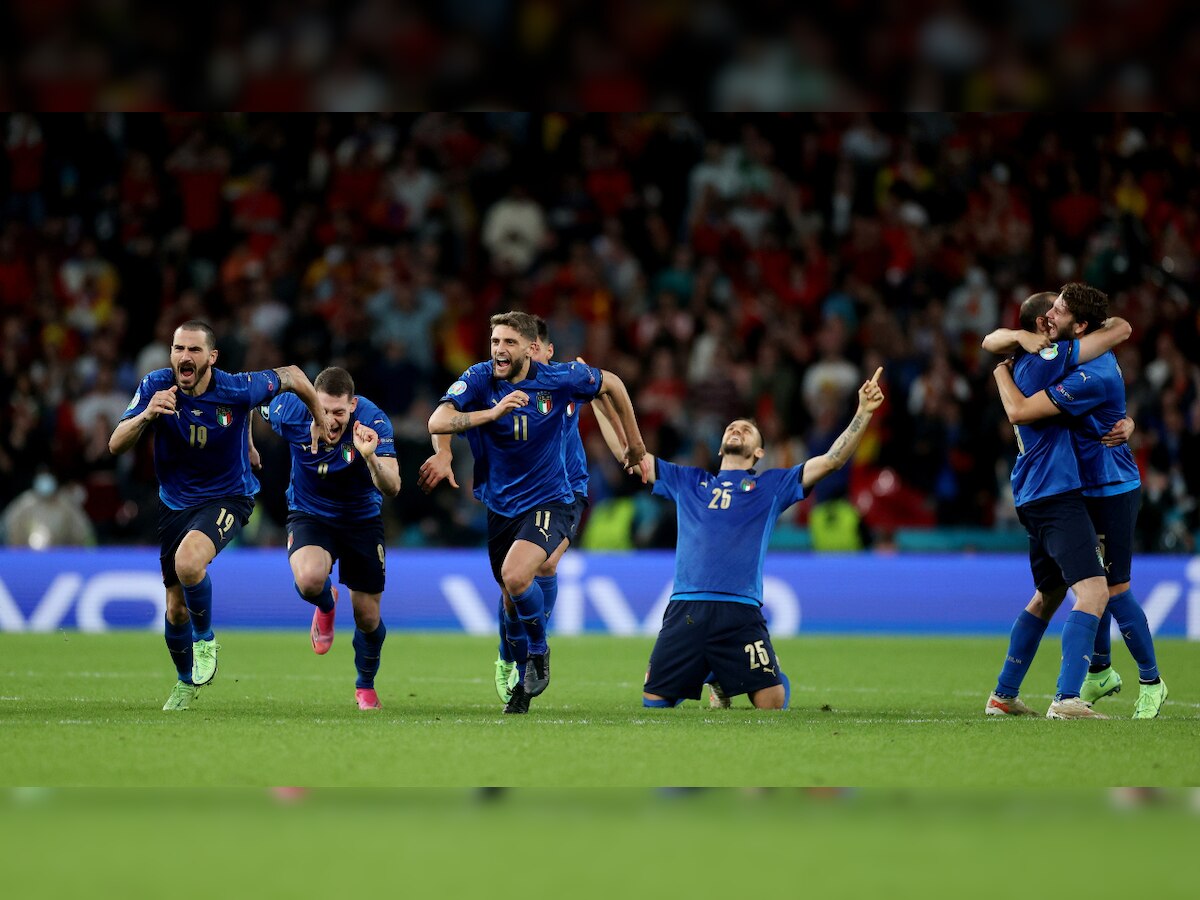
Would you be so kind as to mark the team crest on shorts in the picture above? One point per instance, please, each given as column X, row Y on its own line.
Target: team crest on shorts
column 545, row 402
column 224, row 416
column 748, row 484
column 348, row 453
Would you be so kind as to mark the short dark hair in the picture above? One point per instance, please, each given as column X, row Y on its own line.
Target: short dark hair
column 522, row 322
column 210, row 336
column 543, row 330
column 1086, row 303
column 1034, row 307
column 335, row 382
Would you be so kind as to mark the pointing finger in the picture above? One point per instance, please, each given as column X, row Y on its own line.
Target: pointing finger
column 875, row 377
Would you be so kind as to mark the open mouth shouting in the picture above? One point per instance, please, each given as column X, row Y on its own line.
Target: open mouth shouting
column 502, row 365
column 185, row 374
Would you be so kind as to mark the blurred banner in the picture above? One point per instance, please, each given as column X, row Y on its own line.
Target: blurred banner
column 450, row 590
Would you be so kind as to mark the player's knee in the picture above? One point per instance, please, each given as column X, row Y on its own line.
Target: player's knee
column 515, row 583
column 310, row 583
column 190, row 566
column 769, row 698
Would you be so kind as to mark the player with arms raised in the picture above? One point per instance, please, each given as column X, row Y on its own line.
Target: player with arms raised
column 714, row 622
column 335, row 500
column 199, row 416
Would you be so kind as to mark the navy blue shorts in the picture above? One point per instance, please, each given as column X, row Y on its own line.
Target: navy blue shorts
column 356, row 546
column 702, row 636
column 1063, row 548
column 547, row 526
column 222, row 520
column 1115, row 519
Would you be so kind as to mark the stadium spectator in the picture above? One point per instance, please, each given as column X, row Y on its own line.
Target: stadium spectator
column 48, row 515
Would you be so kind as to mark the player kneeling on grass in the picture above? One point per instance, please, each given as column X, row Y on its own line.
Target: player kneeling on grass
column 335, row 499
column 713, row 629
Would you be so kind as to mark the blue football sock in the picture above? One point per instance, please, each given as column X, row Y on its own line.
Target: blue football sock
column 659, row 704
column 367, row 648
column 198, row 599
column 1102, row 652
column 323, row 601
column 1078, row 639
column 1131, row 619
column 179, row 645
column 1023, row 642
column 531, row 612
column 787, row 690
column 549, row 586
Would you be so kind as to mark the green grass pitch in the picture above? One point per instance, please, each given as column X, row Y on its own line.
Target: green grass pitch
column 85, row 710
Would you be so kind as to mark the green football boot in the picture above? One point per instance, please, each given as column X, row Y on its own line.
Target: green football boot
column 204, row 661
column 506, row 677
column 1150, row 699
column 1104, row 683
column 182, row 696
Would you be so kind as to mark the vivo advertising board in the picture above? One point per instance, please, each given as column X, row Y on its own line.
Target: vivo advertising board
column 600, row 593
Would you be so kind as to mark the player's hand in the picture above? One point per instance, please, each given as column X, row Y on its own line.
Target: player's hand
column 634, row 454
column 1032, row 343
column 435, row 470
column 646, row 468
column 318, row 432
column 255, row 459
column 1005, row 365
column 870, row 395
column 513, row 401
column 366, row 440
column 1119, row 434
column 162, row 404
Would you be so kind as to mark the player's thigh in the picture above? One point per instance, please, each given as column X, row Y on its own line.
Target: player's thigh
column 312, row 546
column 739, row 649
column 541, row 532
column 550, row 566
column 678, row 663
column 1047, row 576
column 1115, row 520
column 1067, row 537
column 501, row 532
column 362, row 559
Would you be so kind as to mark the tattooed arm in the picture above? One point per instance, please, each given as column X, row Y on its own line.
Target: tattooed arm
column 448, row 420
column 870, row 396
column 293, row 380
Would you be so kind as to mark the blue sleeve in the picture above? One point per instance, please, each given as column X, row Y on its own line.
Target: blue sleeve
column 666, row 479
column 256, row 388
column 466, row 393
column 376, row 419
column 141, row 397
column 1038, row 370
column 275, row 414
column 791, row 486
column 585, row 381
column 1079, row 393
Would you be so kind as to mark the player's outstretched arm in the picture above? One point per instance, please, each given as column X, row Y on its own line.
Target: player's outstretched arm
column 1114, row 331
column 293, row 380
column 870, row 398
column 635, row 448
column 1021, row 410
column 127, row 433
column 609, row 422
column 446, row 419
column 385, row 470
column 1007, row 340
column 440, row 466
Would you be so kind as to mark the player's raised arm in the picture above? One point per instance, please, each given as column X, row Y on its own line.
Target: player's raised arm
column 1114, row 331
column 870, row 397
column 1008, row 340
column 385, row 470
column 440, row 466
column 446, row 419
column 126, row 434
column 614, row 389
column 293, row 380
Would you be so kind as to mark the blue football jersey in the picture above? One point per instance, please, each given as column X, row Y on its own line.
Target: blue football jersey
column 576, row 456
column 201, row 453
column 520, row 459
column 725, row 524
column 1094, row 396
column 1046, row 464
column 333, row 482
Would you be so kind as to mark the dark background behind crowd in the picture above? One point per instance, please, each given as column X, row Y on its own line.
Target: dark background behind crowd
column 722, row 265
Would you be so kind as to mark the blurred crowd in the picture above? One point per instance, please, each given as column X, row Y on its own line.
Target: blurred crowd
column 721, row 265
column 594, row 55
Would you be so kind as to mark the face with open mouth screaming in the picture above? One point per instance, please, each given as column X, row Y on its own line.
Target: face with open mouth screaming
column 191, row 359
column 510, row 353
